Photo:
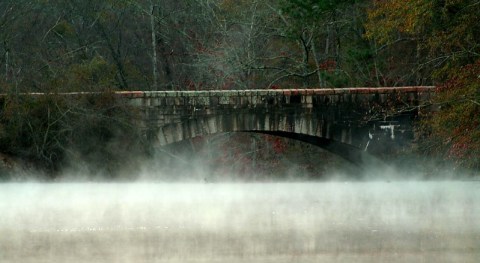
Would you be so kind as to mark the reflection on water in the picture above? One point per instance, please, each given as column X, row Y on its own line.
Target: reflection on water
column 268, row 222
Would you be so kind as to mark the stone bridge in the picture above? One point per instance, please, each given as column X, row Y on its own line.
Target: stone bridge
column 345, row 121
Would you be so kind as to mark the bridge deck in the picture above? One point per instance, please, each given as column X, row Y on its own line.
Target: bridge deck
column 287, row 92
column 258, row 92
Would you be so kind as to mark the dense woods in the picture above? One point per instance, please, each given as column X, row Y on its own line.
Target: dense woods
column 106, row 45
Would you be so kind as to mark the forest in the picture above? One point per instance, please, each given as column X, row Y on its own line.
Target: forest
column 52, row 46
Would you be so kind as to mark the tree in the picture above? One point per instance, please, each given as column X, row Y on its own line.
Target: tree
column 447, row 35
column 453, row 131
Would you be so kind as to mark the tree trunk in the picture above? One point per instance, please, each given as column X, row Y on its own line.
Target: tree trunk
column 154, row 47
column 317, row 64
column 6, row 66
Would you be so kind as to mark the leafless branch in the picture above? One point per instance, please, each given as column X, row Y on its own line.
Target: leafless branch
column 51, row 28
column 475, row 102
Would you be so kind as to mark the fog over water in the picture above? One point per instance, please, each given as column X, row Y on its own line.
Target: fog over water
column 378, row 221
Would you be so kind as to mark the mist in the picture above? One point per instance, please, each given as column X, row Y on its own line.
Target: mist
column 240, row 222
column 186, row 204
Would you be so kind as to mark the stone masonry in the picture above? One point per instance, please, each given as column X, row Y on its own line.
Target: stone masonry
column 345, row 121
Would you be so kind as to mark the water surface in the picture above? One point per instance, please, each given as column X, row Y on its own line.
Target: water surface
column 240, row 222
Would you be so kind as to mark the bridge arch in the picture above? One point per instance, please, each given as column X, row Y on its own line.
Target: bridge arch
column 345, row 121
column 337, row 139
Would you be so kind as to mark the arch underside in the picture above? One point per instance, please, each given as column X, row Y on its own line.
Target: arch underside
column 348, row 152
column 332, row 137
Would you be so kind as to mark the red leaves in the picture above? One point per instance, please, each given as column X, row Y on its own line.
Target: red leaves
column 328, row 65
column 455, row 128
column 279, row 145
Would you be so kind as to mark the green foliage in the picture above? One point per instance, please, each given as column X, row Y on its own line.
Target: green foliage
column 336, row 79
column 311, row 10
column 303, row 14
column 95, row 75
column 388, row 18
column 64, row 29
column 455, row 34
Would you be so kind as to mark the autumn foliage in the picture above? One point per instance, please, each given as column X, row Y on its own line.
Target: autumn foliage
column 454, row 128
column 388, row 18
column 445, row 37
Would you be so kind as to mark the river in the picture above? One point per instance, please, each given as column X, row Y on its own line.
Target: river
column 404, row 221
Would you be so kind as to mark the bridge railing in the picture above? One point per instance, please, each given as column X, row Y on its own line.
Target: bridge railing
column 287, row 92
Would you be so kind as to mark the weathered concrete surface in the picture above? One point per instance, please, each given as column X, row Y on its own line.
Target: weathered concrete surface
column 378, row 120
